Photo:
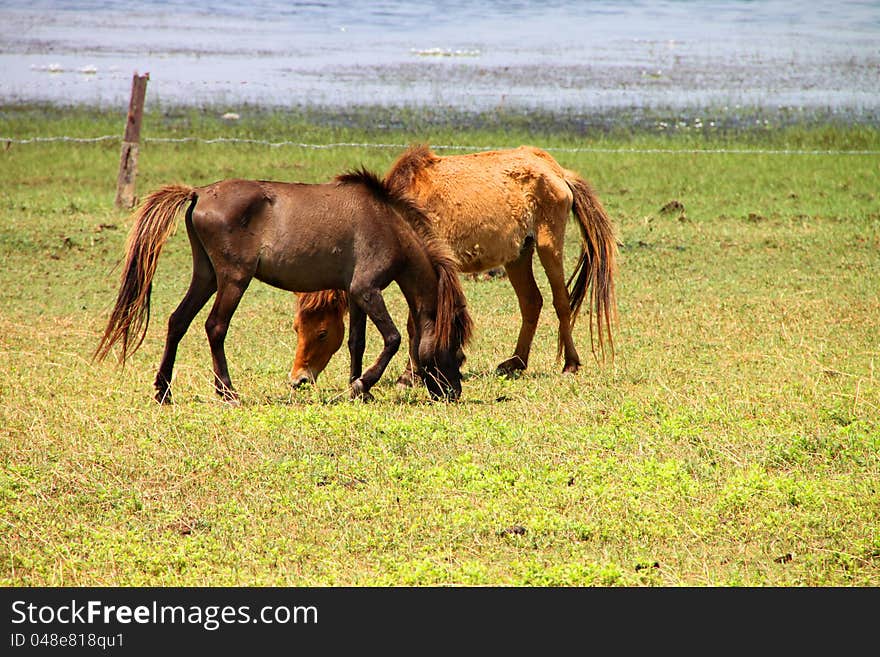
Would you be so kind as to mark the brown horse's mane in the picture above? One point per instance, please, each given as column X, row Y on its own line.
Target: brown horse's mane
column 413, row 160
column 314, row 301
column 451, row 306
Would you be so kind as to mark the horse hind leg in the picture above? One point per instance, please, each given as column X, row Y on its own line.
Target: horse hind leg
column 522, row 278
column 201, row 287
column 229, row 295
column 550, row 253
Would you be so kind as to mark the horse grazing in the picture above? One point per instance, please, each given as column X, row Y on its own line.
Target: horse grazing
column 354, row 233
column 494, row 209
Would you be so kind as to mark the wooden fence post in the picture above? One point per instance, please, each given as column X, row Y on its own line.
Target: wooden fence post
column 125, row 196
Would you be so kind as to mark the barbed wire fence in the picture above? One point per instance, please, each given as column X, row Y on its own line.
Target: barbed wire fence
column 295, row 144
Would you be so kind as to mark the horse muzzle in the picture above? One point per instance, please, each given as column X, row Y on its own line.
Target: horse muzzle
column 443, row 392
column 301, row 378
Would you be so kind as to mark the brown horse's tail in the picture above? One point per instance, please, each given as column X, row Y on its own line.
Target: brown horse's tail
column 596, row 267
column 154, row 222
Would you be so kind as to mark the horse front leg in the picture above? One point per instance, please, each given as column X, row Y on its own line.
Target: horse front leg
column 357, row 339
column 370, row 301
column 410, row 377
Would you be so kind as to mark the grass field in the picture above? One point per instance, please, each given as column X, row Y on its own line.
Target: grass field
column 733, row 441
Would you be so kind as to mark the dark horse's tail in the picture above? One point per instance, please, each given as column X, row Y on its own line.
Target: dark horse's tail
column 597, row 264
column 154, row 222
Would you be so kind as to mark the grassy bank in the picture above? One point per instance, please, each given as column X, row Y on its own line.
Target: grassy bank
column 734, row 440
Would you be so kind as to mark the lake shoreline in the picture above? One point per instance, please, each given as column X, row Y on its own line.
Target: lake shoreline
column 579, row 67
column 719, row 120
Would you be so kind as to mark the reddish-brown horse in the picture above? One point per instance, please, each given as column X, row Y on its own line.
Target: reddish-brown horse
column 495, row 209
column 354, row 234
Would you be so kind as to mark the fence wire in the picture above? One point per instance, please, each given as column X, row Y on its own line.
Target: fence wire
column 347, row 144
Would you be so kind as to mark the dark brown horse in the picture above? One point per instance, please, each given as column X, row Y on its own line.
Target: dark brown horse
column 496, row 209
column 354, row 234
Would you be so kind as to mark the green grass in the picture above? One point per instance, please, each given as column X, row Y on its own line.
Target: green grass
column 734, row 440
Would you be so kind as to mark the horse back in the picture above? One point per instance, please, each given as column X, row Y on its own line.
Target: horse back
column 299, row 236
column 279, row 211
column 487, row 205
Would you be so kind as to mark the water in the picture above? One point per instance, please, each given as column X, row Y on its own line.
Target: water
column 466, row 55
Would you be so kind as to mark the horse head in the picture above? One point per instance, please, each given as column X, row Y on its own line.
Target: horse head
column 320, row 329
column 440, row 371
column 441, row 353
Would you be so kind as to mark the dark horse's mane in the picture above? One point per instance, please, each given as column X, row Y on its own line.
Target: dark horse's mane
column 403, row 203
column 445, row 263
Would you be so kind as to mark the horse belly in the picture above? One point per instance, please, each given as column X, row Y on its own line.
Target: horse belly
column 485, row 214
column 304, row 270
column 484, row 237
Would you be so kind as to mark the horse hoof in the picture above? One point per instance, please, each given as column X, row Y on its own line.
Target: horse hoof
column 571, row 368
column 405, row 380
column 229, row 397
column 163, row 397
column 511, row 368
column 358, row 392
